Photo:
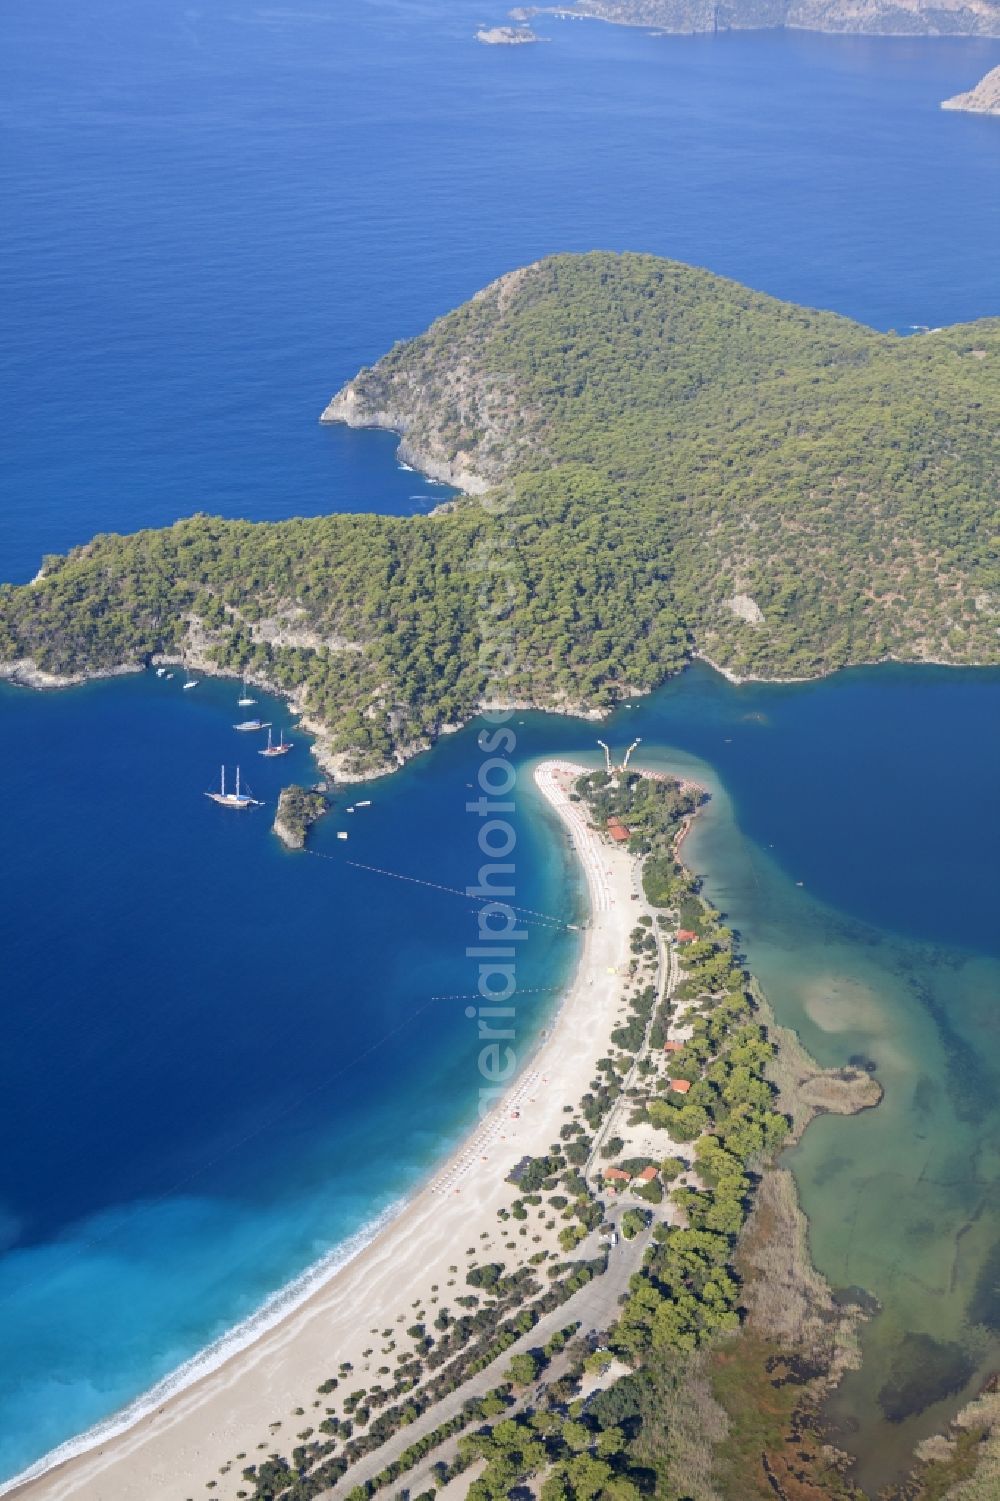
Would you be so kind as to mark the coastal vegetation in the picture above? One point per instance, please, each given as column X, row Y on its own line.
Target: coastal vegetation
column 438, row 1367
column 678, row 465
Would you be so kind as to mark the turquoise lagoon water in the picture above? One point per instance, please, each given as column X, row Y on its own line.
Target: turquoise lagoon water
column 222, row 1061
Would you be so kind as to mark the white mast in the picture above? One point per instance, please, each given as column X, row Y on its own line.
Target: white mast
column 237, row 782
column 223, row 780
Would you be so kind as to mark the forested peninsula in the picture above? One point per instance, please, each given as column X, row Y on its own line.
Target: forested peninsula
column 670, row 463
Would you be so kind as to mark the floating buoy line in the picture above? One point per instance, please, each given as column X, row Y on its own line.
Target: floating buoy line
column 476, row 995
column 544, row 919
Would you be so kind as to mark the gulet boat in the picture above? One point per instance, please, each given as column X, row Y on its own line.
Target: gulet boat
column 237, row 799
column 270, row 749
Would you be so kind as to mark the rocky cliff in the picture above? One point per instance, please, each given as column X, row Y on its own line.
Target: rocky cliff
column 457, row 422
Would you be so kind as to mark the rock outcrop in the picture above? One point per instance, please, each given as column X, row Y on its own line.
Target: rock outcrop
column 984, row 99
column 298, row 809
column 505, row 36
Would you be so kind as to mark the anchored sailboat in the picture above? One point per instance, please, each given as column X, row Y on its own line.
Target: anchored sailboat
column 246, row 725
column 245, row 701
column 237, row 799
column 270, row 749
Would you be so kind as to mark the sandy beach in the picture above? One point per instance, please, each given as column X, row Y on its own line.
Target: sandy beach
column 171, row 1453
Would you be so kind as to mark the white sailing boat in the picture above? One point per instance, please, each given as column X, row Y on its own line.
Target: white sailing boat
column 270, row 749
column 245, row 701
column 237, row 799
column 246, row 726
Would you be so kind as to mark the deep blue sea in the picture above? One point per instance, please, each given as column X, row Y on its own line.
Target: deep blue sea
column 222, row 1061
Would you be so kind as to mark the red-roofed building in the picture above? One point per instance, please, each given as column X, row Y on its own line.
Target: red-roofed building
column 680, row 1086
column 620, row 833
column 648, row 1175
column 684, row 935
column 617, row 1175
column 673, row 1047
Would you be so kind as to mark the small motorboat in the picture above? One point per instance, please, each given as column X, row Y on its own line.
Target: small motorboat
column 247, row 726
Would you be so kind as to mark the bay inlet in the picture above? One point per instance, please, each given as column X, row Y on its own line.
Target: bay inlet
column 281, row 995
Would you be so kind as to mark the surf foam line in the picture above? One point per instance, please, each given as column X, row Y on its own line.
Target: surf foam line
column 244, row 1334
column 276, row 1307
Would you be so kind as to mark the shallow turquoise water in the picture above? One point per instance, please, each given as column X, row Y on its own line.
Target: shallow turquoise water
column 903, row 1201
column 221, row 1061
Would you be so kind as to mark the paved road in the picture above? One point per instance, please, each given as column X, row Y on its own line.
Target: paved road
column 596, row 1308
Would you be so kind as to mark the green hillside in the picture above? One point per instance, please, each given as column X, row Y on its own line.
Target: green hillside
column 663, row 443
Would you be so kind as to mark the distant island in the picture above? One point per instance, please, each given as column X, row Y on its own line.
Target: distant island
column 686, row 467
column 873, row 17
column 505, row 36
column 984, row 99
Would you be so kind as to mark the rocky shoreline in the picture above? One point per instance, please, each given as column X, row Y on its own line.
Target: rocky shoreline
column 352, row 408
column 24, row 673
